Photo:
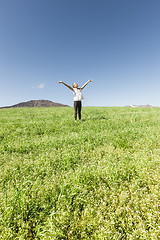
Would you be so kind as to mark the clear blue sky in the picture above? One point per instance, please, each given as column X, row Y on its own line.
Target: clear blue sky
column 114, row 42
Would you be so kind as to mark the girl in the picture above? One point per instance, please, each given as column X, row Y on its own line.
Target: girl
column 77, row 97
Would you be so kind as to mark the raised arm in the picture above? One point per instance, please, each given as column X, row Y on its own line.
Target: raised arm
column 66, row 85
column 86, row 84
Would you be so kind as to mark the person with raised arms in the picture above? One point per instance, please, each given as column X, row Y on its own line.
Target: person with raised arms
column 77, row 93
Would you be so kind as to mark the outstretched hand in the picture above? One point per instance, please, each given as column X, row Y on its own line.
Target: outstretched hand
column 60, row 81
column 91, row 80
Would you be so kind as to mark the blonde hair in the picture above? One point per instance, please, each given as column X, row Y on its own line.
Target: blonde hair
column 75, row 85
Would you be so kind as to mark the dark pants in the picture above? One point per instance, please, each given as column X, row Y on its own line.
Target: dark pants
column 77, row 107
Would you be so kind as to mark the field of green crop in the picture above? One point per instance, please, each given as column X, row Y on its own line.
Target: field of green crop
column 94, row 179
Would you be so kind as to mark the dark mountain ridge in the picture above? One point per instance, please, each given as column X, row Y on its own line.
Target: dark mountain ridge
column 37, row 103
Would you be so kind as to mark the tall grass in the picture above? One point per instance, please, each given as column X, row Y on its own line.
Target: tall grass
column 94, row 179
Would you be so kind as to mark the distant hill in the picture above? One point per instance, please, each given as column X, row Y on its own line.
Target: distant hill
column 37, row 103
column 141, row 106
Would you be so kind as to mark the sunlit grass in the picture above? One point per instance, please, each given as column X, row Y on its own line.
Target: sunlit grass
column 94, row 179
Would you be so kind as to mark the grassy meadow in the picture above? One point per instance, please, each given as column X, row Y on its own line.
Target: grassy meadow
column 94, row 179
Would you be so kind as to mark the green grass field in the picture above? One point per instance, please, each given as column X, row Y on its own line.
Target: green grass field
column 94, row 179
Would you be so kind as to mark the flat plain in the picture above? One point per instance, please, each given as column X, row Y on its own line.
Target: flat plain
column 94, row 179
